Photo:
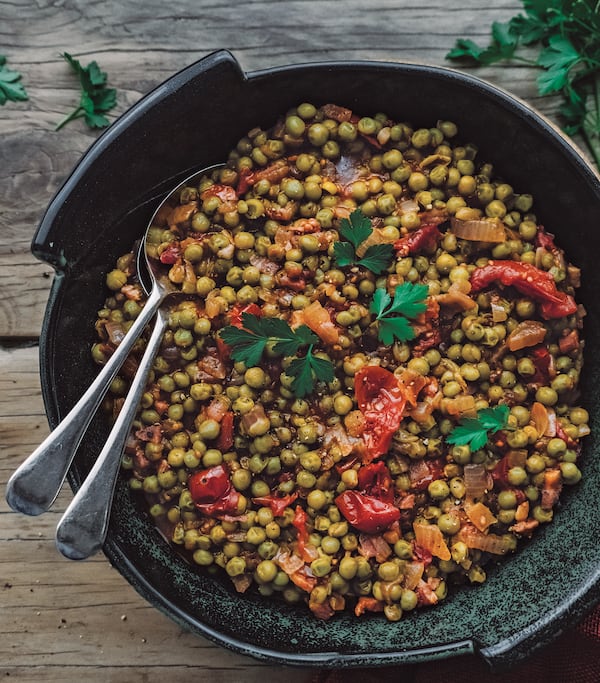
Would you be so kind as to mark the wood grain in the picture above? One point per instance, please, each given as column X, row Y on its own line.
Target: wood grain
column 65, row 621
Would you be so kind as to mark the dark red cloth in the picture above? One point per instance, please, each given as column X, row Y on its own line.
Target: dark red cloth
column 573, row 658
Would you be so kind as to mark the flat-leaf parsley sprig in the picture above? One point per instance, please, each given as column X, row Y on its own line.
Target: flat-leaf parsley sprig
column 10, row 87
column 393, row 317
column 475, row 431
column 249, row 342
column 96, row 98
column 568, row 35
column 356, row 229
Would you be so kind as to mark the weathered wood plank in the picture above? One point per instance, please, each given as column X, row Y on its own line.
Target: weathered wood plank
column 65, row 620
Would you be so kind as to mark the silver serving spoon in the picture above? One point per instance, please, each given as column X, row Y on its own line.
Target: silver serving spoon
column 81, row 531
column 36, row 483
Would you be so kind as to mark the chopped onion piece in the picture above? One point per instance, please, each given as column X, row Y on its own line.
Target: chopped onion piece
column 408, row 206
column 480, row 515
column 526, row 333
column 498, row 312
column 476, row 480
column 551, row 429
column 540, row 418
column 429, row 537
column 479, row 230
column 115, row 332
column 488, row 543
column 413, row 573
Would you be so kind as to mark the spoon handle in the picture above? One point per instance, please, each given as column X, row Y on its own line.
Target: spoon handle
column 36, row 483
column 82, row 529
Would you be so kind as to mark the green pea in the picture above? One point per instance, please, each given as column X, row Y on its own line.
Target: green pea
column 517, row 476
column 507, row 499
column 330, row 150
column 571, row 474
column 266, row 571
column 316, row 499
column 448, row 523
column 547, row 396
column 305, row 479
column 311, row 461
column 348, row 568
column 318, row 134
column 419, row 365
column 388, row 571
column 321, row 566
column 409, row 600
column 295, row 126
column 330, row 544
column 541, row 515
column 209, row 429
column 367, row 126
column 241, row 479
column 115, row 279
column 556, row 447
column 438, row 489
column 255, row 377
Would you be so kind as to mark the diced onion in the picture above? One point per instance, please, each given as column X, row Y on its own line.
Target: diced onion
column 318, row 319
column 479, row 229
column 487, row 543
column 476, row 480
column 526, row 333
column 498, row 312
column 540, row 418
column 408, row 206
column 115, row 332
column 551, row 428
column 480, row 515
column 413, row 572
column 429, row 537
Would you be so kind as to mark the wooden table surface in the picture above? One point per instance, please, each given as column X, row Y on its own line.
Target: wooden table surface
column 66, row 621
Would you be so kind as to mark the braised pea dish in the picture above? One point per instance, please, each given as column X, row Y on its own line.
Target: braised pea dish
column 367, row 394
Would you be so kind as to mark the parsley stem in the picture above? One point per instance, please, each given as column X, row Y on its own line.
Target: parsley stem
column 75, row 114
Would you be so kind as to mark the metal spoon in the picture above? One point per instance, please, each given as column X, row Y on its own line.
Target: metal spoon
column 36, row 483
column 81, row 531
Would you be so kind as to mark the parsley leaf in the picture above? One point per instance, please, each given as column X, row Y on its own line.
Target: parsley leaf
column 567, row 33
column 247, row 346
column 344, row 253
column 557, row 59
column 249, row 342
column 392, row 316
column 10, row 87
column 377, row 258
column 475, row 431
column 95, row 99
column 303, row 369
column 356, row 230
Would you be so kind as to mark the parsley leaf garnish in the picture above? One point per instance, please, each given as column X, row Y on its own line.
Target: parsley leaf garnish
column 356, row 229
column 567, row 33
column 10, row 88
column 249, row 342
column 305, row 369
column 96, row 98
column 392, row 316
column 474, row 431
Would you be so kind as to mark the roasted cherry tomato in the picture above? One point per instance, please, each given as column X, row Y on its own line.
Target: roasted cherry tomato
column 382, row 402
column 212, row 492
column 529, row 280
column 366, row 513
